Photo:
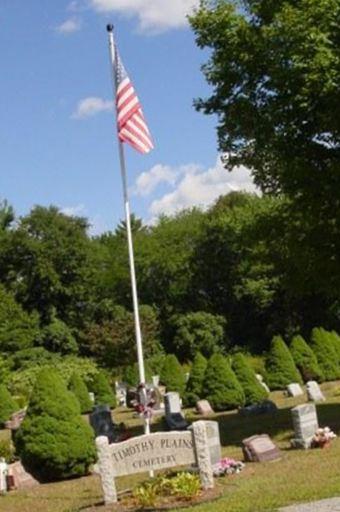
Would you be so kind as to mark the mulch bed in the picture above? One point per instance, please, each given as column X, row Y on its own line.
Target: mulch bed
column 128, row 503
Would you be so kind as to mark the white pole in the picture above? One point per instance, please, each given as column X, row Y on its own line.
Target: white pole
column 128, row 231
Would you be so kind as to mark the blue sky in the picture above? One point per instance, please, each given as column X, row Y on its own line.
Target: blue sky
column 57, row 137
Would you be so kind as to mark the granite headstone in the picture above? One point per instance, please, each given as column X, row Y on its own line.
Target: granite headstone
column 204, row 408
column 305, row 423
column 102, row 424
column 173, row 412
column 314, row 392
column 294, row 389
column 260, row 448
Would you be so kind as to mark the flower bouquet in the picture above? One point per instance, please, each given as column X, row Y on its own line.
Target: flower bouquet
column 227, row 466
column 323, row 437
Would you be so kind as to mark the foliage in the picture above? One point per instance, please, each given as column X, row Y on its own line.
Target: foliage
column 6, row 450
column 305, row 359
column 18, row 329
column 280, row 366
column 197, row 331
column 7, row 405
column 57, row 337
column 253, row 390
column 194, row 387
column 112, row 339
column 182, row 485
column 324, row 349
column 102, row 390
column 53, row 441
column 131, row 374
column 222, row 389
column 78, row 387
column 172, row 375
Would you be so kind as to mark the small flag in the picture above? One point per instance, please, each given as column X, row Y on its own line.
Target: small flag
column 132, row 127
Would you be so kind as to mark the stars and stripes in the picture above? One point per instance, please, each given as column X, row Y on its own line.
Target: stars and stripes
column 132, row 127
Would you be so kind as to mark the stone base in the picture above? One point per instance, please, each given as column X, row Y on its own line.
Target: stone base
column 305, row 444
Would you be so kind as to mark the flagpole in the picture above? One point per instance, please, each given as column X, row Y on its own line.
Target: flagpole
column 128, row 231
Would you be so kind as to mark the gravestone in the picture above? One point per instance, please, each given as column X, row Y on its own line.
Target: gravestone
column 265, row 407
column 16, row 419
column 305, row 423
column 260, row 449
column 102, row 424
column 173, row 412
column 121, row 393
column 314, row 392
column 152, row 452
column 155, row 380
column 294, row 389
column 91, row 396
column 261, row 381
column 204, row 408
column 21, row 479
column 214, row 442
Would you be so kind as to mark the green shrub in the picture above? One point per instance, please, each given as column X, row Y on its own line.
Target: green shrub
column 253, row 390
column 57, row 337
column 79, row 388
column 305, row 360
column 7, row 405
column 172, row 375
column 323, row 347
column 6, row 450
column 334, row 336
column 102, row 390
column 193, row 391
column 280, row 366
column 197, row 332
column 131, row 374
column 53, row 441
column 221, row 386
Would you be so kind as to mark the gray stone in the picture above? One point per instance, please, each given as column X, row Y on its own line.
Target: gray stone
column 294, row 389
column 328, row 505
column 305, row 424
column 121, row 393
column 204, row 408
column 314, row 392
column 260, row 449
column 214, row 442
column 203, row 454
column 173, row 412
column 155, row 380
column 106, row 470
column 102, row 424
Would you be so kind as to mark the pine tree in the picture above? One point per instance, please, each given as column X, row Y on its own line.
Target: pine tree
column 172, row 375
column 194, row 388
column 280, row 366
column 253, row 390
column 305, row 360
column 103, row 393
column 323, row 347
column 222, row 389
column 54, row 442
column 7, row 405
column 79, row 388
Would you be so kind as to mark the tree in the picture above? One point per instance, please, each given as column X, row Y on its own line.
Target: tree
column 221, row 387
column 324, row 349
column 101, row 388
column 197, row 332
column 54, row 442
column 253, row 390
column 280, row 366
column 7, row 405
column 172, row 375
column 57, row 337
column 79, row 388
column 18, row 329
column 273, row 67
column 194, row 387
column 305, row 359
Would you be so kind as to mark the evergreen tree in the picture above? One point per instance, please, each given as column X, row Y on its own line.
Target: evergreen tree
column 7, row 405
column 194, row 388
column 324, row 349
column 103, row 393
column 54, row 442
column 79, row 388
column 221, row 386
column 280, row 366
column 172, row 375
column 305, row 360
column 253, row 390
column 336, row 342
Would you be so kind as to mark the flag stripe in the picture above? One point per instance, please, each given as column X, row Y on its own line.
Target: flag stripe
column 132, row 127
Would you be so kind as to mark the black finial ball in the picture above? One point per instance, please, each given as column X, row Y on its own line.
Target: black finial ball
column 109, row 28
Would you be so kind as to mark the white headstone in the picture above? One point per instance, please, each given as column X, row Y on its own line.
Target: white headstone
column 204, row 408
column 314, row 392
column 173, row 412
column 294, row 389
column 155, row 380
column 305, row 423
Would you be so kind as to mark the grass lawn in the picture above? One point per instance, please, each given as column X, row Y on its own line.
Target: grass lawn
column 299, row 476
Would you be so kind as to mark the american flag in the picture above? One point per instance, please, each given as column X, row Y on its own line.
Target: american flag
column 132, row 127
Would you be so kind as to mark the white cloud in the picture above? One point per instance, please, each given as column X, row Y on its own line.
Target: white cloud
column 153, row 15
column 197, row 187
column 69, row 26
column 148, row 181
column 73, row 211
column 91, row 106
